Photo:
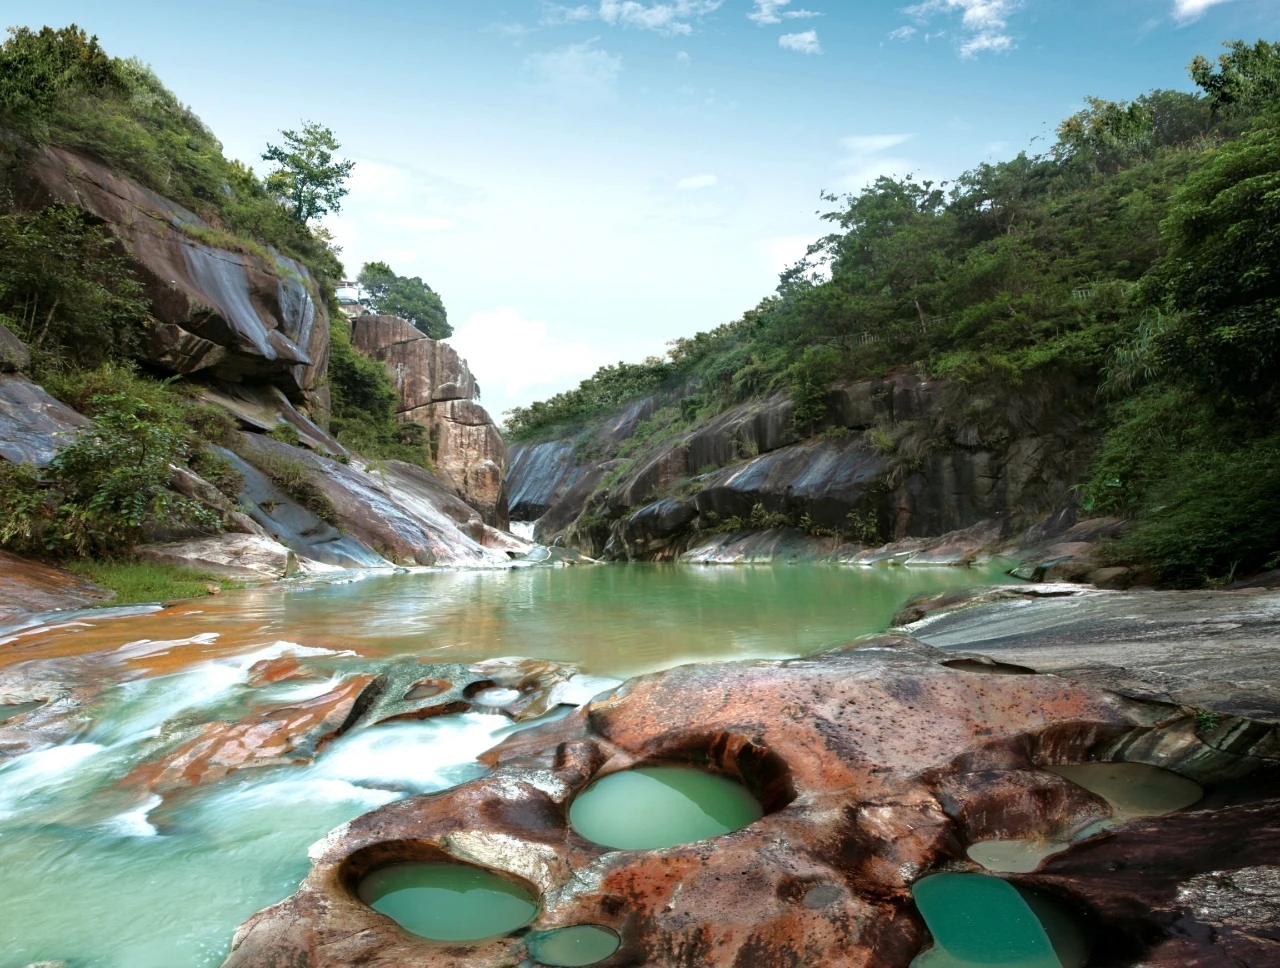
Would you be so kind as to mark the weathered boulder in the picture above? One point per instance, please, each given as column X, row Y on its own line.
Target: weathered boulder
column 469, row 452
column 33, row 425
column 392, row 511
column 265, row 408
column 14, row 354
column 425, row 371
column 230, row 314
column 875, row 764
column 238, row 557
column 28, row 587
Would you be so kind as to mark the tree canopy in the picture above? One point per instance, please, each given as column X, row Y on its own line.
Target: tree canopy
column 409, row 298
column 307, row 176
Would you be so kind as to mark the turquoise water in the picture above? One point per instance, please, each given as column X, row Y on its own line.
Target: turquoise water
column 977, row 920
column 661, row 806
column 104, row 876
column 448, row 902
column 574, row 947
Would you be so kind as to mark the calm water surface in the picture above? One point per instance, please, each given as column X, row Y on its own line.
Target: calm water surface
column 105, row 876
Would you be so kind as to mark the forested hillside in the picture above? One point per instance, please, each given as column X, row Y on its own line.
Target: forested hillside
column 1130, row 274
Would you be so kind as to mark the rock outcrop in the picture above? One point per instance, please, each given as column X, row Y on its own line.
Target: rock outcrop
column 225, row 312
column 437, row 391
column 894, row 459
column 28, row 587
column 33, row 425
column 875, row 764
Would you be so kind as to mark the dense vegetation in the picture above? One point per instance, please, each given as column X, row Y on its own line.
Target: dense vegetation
column 1135, row 265
column 60, row 87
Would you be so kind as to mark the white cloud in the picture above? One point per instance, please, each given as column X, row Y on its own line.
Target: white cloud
column 903, row 33
column 682, row 57
column 1185, row 11
column 694, row 182
column 513, row 30
column 771, row 12
column 867, row 157
column 579, row 74
column 556, row 14
column 519, row 354
column 804, row 43
column 985, row 23
column 671, row 17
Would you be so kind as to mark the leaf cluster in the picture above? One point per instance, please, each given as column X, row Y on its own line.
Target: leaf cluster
column 409, row 298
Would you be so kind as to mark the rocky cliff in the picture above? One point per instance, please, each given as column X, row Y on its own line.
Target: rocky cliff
column 896, row 458
column 248, row 328
column 437, row 391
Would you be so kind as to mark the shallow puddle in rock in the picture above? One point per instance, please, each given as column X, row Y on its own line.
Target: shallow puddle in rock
column 14, row 711
column 661, row 806
column 582, row 944
column 1133, row 789
column 448, row 902
column 980, row 920
column 1013, row 856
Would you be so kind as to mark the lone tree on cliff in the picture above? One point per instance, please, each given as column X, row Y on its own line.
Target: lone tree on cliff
column 408, row 298
column 308, row 178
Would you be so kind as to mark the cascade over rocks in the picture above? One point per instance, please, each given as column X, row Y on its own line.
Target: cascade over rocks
column 437, row 391
column 876, row 764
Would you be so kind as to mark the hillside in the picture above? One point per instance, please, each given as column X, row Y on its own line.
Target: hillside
column 1094, row 328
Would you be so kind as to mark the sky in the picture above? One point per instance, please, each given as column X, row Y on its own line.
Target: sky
column 584, row 182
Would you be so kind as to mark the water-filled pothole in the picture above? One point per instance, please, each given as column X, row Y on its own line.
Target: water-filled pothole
column 448, row 902
column 426, row 689
column 979, row 920
column 18, row 709
column 1133, row 789
column 1014, row 856
column 582, row 944
column 661, row 806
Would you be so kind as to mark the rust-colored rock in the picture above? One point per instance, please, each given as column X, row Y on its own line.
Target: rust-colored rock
column 875, row 764
column 289, row 734
column 27, row 586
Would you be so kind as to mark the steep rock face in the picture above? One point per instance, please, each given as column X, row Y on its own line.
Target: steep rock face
column 437, row 391
column 229, row 315
column 875, row 764
column 33, row 425
column 894, row 453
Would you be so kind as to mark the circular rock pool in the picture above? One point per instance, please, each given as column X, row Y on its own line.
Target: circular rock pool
column 448, row 902
column 661, row 806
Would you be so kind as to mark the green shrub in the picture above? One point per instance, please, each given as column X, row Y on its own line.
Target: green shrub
column 293, row 477
column 219, row 472
column 285, row 433
column 101, row 493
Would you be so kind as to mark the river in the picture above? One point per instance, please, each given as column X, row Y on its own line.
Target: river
column 102, row 874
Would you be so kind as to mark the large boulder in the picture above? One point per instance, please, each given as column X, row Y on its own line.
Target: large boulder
column 875, row 764
column 33, row 425
column 230, row 313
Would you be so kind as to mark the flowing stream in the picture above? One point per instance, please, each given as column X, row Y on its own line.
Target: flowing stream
column 105, row 874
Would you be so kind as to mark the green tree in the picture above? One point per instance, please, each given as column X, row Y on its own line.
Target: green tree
column 408, row 298
column 1221, row 274
column 308, row 177
column 1245, row 76
column 38, row 70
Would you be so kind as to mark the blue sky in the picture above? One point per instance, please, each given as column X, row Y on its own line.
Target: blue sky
column 583, row 182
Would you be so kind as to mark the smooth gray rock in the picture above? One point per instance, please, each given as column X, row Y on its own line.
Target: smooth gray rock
column 33, row 425
column 1213, row 650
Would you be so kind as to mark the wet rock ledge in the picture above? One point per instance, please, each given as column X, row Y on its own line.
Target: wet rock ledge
column 875, row 764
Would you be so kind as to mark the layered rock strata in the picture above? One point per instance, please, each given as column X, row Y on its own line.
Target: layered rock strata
column 875, row 764
column 437, row 391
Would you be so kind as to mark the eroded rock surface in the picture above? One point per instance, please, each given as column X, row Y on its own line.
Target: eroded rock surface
column 33, row 425
column 28, row 587
column 437, row 391
column 875, row 764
